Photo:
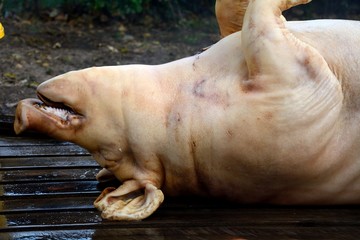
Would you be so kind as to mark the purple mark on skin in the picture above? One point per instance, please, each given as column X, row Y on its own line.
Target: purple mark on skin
column 210, row 95
column 198, row 89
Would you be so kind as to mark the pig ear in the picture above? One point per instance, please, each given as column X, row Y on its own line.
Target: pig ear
column 129, row 202
column 229, row 15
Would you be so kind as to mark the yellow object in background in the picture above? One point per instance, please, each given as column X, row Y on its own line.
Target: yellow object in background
column 2, row 33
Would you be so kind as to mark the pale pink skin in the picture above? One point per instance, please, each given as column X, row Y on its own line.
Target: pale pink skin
column 269, row 114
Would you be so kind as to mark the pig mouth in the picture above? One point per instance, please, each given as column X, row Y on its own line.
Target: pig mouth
column 56, row 110
column 45, row 115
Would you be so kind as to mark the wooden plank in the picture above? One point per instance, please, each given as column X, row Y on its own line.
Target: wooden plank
column 34, row 140
column 186, row 216
column 164, row 218
column 48, row 188
column 46, row 162
column 48, row 204
column 188, row 220
column 6, row 125
column 47, row 175
column 18, row 151
column 196, row 233
column 33, row 145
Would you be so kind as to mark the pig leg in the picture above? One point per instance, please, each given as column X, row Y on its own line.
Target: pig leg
column 275, row 58
column 131, row 201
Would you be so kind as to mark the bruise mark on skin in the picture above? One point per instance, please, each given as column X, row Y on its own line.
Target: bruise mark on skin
column 254, row 64
column 306, row 61
column 198, row 89
column 260, row 31
column 249, row 86
column 173, row 122
column 178, row 117
column 229, row 133
column 268, row 115
column 172, row 119
column 201, row 180
column 251, row 23
column 197, row 57
column 194, row 144
column 311, row 71
column 350, row 99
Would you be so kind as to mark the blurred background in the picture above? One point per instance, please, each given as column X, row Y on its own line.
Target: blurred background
column 159, row 10
column 45, row 38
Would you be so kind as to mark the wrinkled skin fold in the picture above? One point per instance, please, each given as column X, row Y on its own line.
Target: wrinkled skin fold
column 269, row 114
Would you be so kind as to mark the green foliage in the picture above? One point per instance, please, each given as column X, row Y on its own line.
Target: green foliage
column 122, row 7
column 26, row 5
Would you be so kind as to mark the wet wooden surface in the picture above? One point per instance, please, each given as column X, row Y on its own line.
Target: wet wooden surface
column 47, row 189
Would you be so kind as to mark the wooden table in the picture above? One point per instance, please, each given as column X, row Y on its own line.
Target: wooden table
column 47, row 189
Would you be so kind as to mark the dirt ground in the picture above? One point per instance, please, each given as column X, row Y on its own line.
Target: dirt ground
column 34, row 51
